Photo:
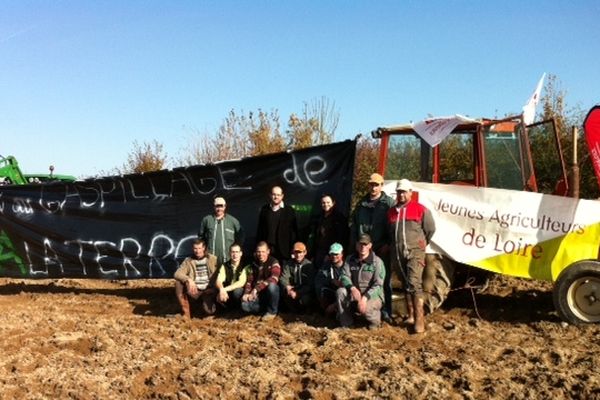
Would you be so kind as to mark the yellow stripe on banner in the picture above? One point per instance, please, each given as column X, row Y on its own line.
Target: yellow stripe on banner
column 546, row 259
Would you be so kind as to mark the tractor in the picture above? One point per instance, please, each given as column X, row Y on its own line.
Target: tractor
column 490, row 153
column 11, row 174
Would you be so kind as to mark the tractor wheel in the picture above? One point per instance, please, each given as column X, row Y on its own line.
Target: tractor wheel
column 437, row 281
column 576, row 293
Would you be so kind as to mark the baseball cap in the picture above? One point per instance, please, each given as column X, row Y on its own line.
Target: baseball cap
column 219, row 201
column 299, row 246
column 404, row 185
column 364, row 239
column 336, row 248
column 376, row 178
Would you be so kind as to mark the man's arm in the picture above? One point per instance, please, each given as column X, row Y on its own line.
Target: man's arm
column 294, row 227
column 428, row 225
column 261, row 227
column 285, row 275
column 346, row 277
column 240, row 235
column 376, row 284
column 183, row 272
column 308, row 285
column 203, row 231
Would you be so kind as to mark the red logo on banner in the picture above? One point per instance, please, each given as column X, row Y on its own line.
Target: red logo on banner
column 591, row 126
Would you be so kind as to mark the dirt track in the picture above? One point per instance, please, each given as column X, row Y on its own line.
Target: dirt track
column 98, row 339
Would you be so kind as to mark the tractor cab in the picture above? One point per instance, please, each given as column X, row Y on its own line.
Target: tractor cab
column 495, row 153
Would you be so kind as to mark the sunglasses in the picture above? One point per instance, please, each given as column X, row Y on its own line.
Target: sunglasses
column 219, row 205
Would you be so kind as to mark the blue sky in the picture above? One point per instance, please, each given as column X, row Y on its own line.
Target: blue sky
column 80, row 81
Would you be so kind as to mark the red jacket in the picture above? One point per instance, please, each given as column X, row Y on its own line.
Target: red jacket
column 410, row 226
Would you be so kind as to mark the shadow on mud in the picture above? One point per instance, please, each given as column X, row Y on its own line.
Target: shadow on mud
column 521, row 306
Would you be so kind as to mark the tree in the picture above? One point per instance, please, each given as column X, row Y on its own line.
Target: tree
column 316, row 126
column 264, row 133
column 554, row 106
column 145, row 157
column 365, row 163
column 230, row 142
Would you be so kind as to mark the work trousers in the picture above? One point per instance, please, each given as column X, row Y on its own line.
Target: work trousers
column 268, row 299
column 410, row 268
column 347, row 309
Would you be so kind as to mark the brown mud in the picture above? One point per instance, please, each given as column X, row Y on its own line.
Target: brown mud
column 89, row 339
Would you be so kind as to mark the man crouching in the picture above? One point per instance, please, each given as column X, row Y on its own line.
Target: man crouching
column 194, row 280
column 362, row 281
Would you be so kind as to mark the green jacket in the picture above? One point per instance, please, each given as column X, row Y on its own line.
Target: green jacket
column 367, row 276
column 220, row 235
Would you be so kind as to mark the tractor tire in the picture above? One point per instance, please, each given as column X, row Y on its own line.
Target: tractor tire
column 576, row 293
column 438, row 278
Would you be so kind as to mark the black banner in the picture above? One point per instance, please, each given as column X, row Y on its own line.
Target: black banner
column 143, row 225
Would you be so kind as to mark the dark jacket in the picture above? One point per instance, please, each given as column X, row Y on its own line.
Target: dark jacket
column 300, row 276
column 325, row 231
column 326, row 276
column 371, row 217
column 285, row 234
column 219, row 235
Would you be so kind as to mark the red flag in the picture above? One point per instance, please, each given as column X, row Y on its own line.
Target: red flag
column 591, row 127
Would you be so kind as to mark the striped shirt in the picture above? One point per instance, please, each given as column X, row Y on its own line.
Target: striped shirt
column 201, row 274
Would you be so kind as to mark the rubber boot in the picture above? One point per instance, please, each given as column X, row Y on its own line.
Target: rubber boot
column 419, row 315
column 185, row 306
column 184, row 302
column 410, row 308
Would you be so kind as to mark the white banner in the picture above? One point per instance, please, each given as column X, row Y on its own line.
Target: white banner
column 511, row 232
column 434, row 130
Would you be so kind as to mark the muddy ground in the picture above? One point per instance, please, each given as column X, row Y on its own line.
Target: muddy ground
column 87, row 339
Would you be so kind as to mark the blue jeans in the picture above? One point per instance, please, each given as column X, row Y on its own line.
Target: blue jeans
column 268, row 299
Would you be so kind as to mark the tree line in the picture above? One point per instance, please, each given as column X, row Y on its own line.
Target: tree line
column 261, row 132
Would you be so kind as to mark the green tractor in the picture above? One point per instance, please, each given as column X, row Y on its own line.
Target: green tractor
column 11, row 174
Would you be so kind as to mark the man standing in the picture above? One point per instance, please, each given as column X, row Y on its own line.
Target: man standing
column 411, row 227
column 362, row 281
column 194, row 280
column 220, row 230
column 327, row 281
column 298, row 280
column 262, row 284
column 231, row 278
column 277, row 225
column 370, row 217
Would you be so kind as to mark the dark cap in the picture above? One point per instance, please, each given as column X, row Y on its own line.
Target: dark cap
column 364, row 239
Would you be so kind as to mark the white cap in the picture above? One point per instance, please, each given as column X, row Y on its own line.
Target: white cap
column 404, row 185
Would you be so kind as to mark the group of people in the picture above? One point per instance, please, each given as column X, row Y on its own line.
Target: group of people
column 384, row 235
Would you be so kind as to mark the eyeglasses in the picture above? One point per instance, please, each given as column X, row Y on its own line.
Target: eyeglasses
column 364, row 244
column 298, row 251
column 219, row 205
